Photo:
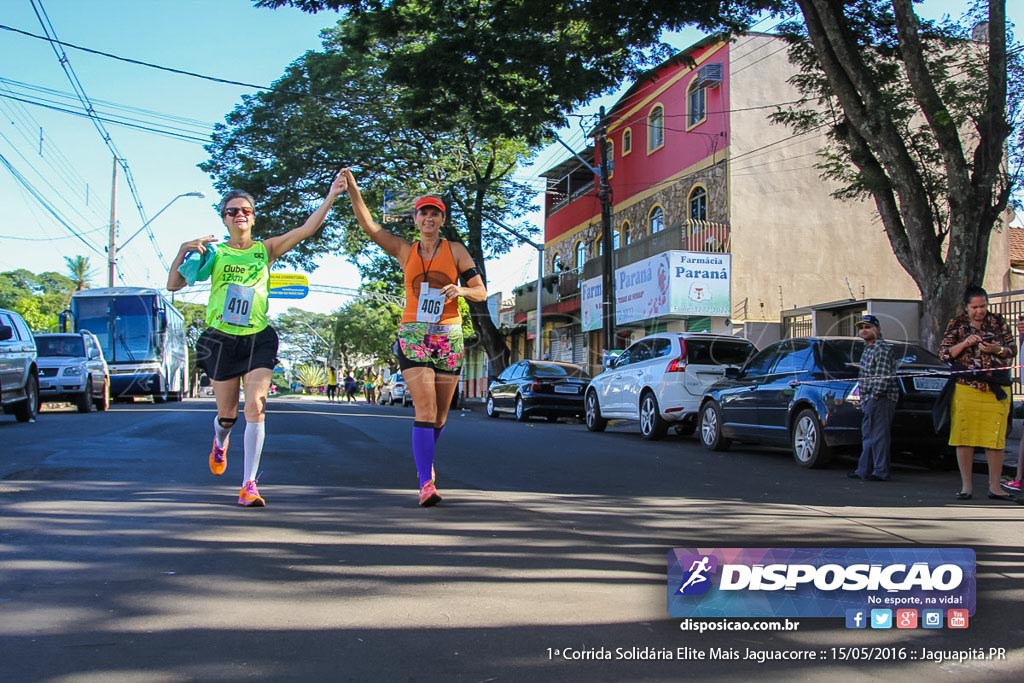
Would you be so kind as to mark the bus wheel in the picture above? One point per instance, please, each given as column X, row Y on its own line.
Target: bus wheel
column 161, row 394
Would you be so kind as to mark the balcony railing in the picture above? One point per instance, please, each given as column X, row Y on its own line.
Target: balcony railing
column 689, row 236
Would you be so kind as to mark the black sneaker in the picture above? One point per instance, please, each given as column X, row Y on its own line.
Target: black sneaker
column 854, row 475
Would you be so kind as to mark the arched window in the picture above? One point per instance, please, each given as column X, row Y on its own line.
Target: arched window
column 627, row 141
column 611, row 158
column 616, row 239
column 581, row 254
column 556, row 263
column 626, row 236
column 696, row 105
column 698, row 204
column 656, row 220
column 656, row 128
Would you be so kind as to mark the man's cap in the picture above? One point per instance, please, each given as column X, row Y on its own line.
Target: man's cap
column 431, row 201
column 869, row 320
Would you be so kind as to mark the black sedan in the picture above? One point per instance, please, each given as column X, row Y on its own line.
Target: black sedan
column 534, row 387
column 802, row 393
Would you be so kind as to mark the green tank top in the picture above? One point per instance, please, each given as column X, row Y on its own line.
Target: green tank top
column 239, row 294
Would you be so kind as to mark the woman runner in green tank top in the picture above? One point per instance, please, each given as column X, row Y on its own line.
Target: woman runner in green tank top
column 239, row 347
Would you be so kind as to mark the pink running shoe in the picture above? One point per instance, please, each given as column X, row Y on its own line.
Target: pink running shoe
column 250, row 496
column 428, row 495
column 1012, row 485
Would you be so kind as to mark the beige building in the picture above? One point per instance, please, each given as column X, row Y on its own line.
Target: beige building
column 697, row 167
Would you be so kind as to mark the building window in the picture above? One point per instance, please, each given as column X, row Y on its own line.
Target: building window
column 697, row 110
column 611, row 157
column 556, row 263
column 699, row 204
column 626, row 238
column 656, row 128
column 581, row 255
column 627, row 141
column 656, row 220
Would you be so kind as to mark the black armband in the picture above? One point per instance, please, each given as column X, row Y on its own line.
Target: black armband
column 467, row 275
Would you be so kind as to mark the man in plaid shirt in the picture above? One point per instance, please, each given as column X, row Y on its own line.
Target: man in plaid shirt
column 879, row 393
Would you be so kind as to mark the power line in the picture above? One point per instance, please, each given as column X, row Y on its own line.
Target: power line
column 24, row 182
column 53, row 41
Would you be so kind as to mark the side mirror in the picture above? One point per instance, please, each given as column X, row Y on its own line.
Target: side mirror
column 732, row 373
column 161, row 322
column 6, row 332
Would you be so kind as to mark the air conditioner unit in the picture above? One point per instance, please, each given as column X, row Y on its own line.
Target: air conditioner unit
column 709, row 76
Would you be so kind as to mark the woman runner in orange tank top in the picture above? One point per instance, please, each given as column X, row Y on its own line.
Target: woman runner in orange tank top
column 430, row 345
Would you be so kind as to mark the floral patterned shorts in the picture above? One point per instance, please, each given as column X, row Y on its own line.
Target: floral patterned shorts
column 426, row 345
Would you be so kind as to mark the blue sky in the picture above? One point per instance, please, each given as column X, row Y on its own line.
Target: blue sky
column 229, row 39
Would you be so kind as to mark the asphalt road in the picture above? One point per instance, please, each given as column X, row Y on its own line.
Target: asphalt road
column 123, row 559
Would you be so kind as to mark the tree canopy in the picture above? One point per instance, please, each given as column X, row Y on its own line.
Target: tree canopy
column 39, row 299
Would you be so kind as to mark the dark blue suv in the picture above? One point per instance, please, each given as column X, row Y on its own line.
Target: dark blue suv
column 802, row 393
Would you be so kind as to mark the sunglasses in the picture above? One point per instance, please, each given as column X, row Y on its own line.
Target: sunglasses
column 234, row 211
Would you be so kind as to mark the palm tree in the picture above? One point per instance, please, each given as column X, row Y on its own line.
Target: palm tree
column 78, row 270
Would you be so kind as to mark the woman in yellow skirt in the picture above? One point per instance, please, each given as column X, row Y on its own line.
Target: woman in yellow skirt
column 981, row 341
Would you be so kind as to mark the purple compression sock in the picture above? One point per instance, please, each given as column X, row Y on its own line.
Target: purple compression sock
column 438, row 431
column 423, row 450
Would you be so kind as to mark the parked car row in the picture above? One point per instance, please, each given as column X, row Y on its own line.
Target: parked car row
column 66, row 368
column 800, row 393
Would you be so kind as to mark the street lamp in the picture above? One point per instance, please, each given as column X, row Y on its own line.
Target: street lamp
column 112, row 248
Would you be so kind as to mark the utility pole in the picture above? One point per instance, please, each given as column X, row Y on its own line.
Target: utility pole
column 111, row 244
column 604, row 193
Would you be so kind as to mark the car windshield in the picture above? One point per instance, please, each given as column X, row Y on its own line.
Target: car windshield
column 559, row 371
column 718, row 351
column 843, row 355
column 60, row 346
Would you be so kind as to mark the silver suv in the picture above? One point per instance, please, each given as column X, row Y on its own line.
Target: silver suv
column 19, row 375
column 660, row 379
column 72, row 369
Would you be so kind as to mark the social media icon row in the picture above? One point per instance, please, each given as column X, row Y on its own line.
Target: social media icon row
column 907, row 618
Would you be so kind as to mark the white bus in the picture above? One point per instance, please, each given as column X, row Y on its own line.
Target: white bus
column 143, row 340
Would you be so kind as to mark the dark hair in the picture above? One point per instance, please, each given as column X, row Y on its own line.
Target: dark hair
column 973, row 291
column 235, row 194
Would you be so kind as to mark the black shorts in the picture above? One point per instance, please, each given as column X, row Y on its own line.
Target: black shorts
column 227, row 356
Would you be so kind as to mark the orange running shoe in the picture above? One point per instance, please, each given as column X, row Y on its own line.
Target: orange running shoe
column 219, row 456
column 250, row 496
column 428, row 495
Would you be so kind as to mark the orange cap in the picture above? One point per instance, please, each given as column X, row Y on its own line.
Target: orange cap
column 430, row 200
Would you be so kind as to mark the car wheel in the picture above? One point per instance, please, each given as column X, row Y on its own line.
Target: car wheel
column 652, row 426
column 84, row 402
column 711, row 428
column 103, row 400
column 26, row 411
column 491, row 412
column 808, row 438
column 521, row 410
column 592, row 413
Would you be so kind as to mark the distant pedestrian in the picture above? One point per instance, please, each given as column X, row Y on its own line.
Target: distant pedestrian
column 879, row 393
column 332, row 383
column 351, row 387
column 982, row 342
column 239, row 344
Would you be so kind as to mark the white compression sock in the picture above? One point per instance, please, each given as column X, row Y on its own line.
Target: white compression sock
column 220, row 433
column 254, row 435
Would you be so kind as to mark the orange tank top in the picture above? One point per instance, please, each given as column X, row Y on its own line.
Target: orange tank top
column 438, row 271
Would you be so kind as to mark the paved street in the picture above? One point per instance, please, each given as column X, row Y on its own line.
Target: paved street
column 123, row 559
